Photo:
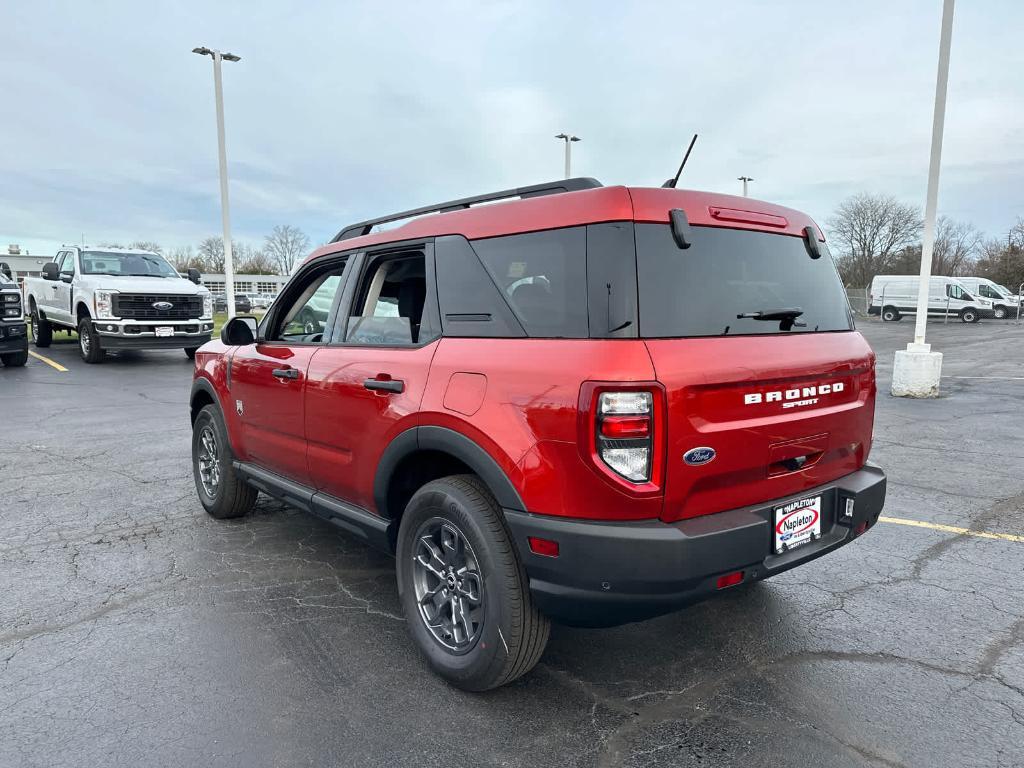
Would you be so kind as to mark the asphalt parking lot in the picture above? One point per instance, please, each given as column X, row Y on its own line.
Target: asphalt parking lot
column 135, row 630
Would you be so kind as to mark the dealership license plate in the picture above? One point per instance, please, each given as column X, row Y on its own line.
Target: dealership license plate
column 797, row 523
column 164, row 330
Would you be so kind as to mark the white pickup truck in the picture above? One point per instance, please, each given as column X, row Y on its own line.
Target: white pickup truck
column 118, row 299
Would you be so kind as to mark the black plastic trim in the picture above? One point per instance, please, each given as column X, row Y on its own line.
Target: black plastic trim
column 375, row 530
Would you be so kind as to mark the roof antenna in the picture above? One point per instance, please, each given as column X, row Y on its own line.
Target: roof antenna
column 671, row 183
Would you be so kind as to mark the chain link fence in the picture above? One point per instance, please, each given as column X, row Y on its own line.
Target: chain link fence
column 858, row 298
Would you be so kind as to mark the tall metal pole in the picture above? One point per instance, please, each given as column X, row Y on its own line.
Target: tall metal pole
column 225, row 215
column 568, row 159
column 745, row 179
column 932, row 200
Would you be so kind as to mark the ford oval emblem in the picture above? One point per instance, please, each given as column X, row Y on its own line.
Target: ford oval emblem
column 697, row 456
column 162, row 305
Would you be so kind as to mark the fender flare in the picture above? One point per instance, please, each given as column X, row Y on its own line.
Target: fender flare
column 449, row 441
column 203, row 385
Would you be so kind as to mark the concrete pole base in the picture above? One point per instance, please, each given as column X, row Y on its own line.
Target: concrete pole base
column 916, row 372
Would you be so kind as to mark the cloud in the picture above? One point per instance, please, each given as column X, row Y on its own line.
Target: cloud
column 338, row 112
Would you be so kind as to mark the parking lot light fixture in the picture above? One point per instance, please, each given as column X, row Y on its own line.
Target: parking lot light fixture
column 229, row 267
column 744, row 179
column 568, row 139
column 917, row 370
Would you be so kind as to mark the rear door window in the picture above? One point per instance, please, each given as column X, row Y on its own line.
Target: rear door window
column 543, row 277
column 726, row 273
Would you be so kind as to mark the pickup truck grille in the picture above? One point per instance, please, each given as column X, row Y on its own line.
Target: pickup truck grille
column 139, row 306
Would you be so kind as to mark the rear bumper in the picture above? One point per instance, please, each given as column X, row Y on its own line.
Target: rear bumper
column 610, row 573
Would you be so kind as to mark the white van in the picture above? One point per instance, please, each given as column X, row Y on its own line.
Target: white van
column 893, row 296
column 1004, row 302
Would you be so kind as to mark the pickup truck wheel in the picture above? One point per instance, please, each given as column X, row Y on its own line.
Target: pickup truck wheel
column 42, row 331
column 15, row 359
column 190, row 352
column 89, row 342
column 463, row 588
column 222, row 492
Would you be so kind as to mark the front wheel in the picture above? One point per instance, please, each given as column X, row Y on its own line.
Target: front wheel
column 42, row 331
column 89, row 342
column 15, row 359
column 463, row 589
column 1000, row 313
column 969, row 316
column 190, row 352
column 222, row 492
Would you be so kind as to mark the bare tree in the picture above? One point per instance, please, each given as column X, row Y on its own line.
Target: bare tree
column 285, row 245
column 256, row 262
column 1002, row 261
column 869, row 230
column 957, row 245
column 146, row 245
column 211, row 254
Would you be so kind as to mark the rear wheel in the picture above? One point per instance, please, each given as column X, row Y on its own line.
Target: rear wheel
column 890, row 314
column 463, row 589
column 222, row 492
column 42, row 331
column 969, row 316
column 15, row 359
column 89, row 342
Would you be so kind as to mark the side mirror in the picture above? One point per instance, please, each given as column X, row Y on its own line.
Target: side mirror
column 51, row 271
column 5, row 269
column 193, row 275
column 239, row 331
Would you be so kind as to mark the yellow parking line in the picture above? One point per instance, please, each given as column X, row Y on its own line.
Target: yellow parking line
column 48, row 361
column 953, row 529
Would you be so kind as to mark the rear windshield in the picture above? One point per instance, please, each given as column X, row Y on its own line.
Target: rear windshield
column 725, row 273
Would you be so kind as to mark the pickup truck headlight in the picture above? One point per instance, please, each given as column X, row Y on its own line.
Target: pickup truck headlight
column 104, row 305
column 207, row 305
column 11, row 303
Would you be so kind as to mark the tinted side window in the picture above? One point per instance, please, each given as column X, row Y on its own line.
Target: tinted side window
column 543, row 277
column 390, row 303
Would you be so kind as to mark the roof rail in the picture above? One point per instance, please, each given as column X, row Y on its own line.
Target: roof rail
column 536, row 190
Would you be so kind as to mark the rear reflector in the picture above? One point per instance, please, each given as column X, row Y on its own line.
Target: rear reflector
column 626, row 426
column 545, row 547
column 730, row 579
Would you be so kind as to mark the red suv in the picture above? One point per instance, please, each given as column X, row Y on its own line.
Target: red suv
column 583, row 403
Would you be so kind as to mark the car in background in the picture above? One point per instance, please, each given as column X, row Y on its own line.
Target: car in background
column 220, row 303
column 242, row 303
column 1004, row 302
column 257, row 300
column 893, row 296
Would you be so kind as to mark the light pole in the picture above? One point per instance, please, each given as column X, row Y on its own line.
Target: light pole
column 744, row 179
column 569, row 139
column 917, row 370
column 229, row 265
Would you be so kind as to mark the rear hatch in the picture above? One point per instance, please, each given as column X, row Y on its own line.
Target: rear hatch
column 784, row 400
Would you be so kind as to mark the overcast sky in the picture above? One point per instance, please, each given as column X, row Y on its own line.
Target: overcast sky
column 341, row 111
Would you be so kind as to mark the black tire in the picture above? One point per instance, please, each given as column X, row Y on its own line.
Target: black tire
column 1000, row 312
column 89, row 342
column 969, row 316
column 15, row 359
column 190, row 352
column 42, row 331
column 890, row 314
column 230, row 496
column 512, row 633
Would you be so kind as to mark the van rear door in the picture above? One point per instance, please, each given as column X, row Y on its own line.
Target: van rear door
column 754, row 343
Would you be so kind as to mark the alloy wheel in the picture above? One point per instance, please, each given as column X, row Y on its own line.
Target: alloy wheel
column 209, row 462
column 448, row 585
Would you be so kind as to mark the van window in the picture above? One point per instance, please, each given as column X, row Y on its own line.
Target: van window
column 954, row 291
column 701, row 291
column 543, row 277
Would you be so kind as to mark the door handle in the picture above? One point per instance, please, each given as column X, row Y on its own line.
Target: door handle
column 385, row 385
column 285, row 373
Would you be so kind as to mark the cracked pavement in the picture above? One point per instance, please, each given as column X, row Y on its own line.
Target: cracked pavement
column 135, row 630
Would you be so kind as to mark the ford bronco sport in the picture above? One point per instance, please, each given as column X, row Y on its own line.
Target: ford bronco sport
column 585, row 404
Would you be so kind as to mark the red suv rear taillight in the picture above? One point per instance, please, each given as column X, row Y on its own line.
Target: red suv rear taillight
column 622, row 428
column 625, row 433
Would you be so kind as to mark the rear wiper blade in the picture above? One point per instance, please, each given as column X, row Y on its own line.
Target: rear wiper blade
column 790, row 313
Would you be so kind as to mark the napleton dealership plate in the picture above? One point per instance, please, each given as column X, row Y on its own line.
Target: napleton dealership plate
column 797, row 523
